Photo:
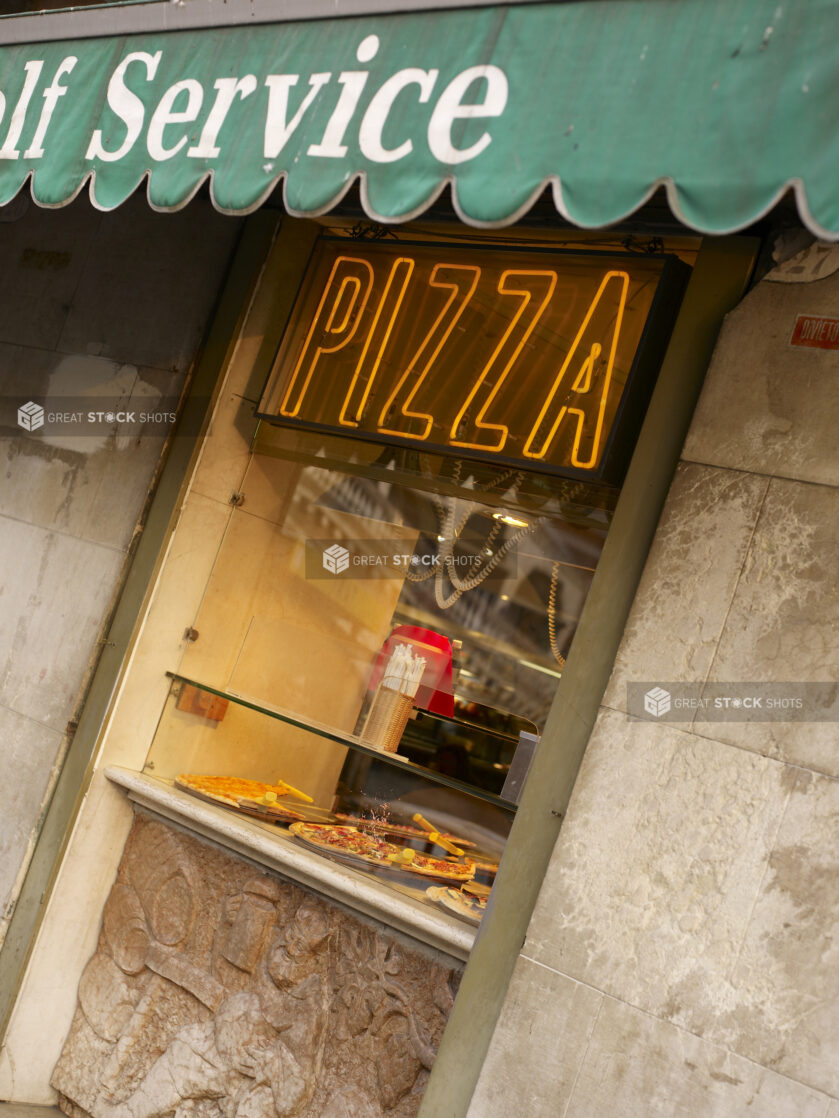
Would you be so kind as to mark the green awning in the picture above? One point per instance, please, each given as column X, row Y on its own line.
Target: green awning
column 727, row 103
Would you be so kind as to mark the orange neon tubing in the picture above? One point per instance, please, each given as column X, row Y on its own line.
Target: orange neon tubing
column 285, row 409
column 342, row 415
column 453, row 288
column 479, row 420
column 528, row 451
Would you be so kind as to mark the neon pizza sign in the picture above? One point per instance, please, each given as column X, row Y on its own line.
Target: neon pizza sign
column 511, row 355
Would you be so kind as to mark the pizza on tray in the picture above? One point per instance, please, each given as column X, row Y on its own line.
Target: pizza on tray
column 229, row 790
column 399, row 830
column 347, row 842
column 467, row 907
column 351, row 843
column 442, row 868
column 272, row 812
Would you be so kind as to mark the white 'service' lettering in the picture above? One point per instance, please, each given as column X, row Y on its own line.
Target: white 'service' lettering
column 353, row 82
column 127, row 106
column 367, row 112
column 331, row 145
column 278, row 128
column 372, row 125
column 227, row 90
column 166, row 114
column 450, row 107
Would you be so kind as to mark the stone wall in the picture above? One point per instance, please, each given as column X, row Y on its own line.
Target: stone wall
column 219, row 989
column 105, row 306
column 682, row 958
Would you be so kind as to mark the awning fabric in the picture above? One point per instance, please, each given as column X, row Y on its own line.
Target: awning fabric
column 725, row 102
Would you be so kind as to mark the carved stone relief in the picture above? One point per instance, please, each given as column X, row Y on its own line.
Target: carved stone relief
column 220, row 991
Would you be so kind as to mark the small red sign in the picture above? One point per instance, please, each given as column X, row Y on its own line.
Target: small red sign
column 815, row 332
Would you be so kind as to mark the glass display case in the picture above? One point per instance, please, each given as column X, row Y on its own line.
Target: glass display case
column 291, row 651
column 443, row 433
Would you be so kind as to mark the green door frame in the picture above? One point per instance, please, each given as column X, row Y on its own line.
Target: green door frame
column 718, row 282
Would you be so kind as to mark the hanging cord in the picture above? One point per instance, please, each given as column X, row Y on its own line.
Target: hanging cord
column 560, row 659
column 481, row 566
column 451, row 533
column 480, row 570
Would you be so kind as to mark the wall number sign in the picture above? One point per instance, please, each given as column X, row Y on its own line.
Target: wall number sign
column 511, row 355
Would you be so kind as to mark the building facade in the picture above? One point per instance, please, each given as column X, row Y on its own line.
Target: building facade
column 659, row 935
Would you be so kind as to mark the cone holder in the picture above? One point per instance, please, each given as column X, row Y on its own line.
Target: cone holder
column 387, row 719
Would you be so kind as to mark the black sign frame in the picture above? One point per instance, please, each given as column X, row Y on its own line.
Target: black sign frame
column 619, row 443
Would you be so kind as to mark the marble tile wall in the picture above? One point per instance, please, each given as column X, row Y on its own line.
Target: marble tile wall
column 69, row 932
column 682, row 956
column 103, row 304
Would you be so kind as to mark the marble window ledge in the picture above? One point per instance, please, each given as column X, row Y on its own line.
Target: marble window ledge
column 269, row 847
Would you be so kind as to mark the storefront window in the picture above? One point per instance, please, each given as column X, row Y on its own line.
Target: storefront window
column 398, row 587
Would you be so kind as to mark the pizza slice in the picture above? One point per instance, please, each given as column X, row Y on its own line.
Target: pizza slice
column 460, row 904
column 229, row 790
